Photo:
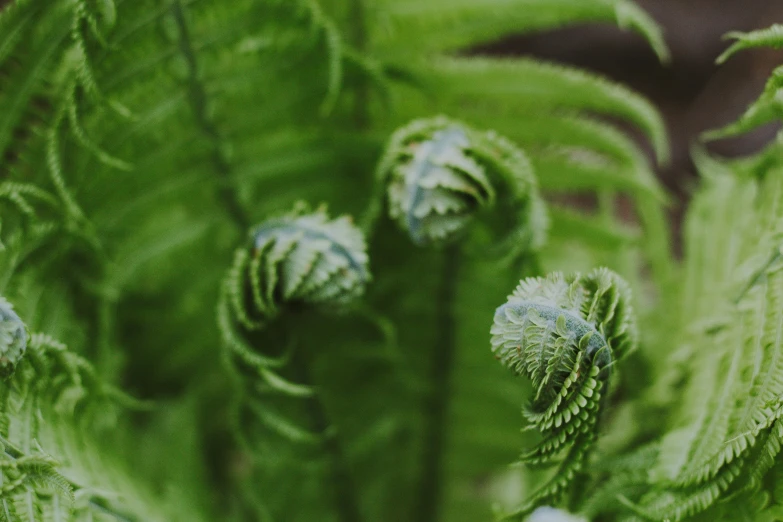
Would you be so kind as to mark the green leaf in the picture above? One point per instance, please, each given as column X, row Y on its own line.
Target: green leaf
column 769, row 37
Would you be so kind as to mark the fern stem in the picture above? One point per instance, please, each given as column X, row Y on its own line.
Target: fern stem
column 98, row 505
column 658, row 243
column 198, row 102
column 606, row 202
column 358, row 24
column 437, row 403
column 344, row 493
column 107, row 360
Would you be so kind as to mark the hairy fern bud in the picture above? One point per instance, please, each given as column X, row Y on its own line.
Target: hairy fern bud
column 13, row 339
column 564, row 333
column 299, row 258
column 440, row 173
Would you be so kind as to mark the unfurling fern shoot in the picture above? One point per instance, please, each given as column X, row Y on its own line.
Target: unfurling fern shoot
column 302, row 259
column 440, row 173
column 297, row 259
column 13, row 339
column 564, row 333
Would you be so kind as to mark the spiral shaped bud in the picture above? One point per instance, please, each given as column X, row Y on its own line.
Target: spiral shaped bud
column 564, row 334
column 13, row 339
column 440, row 173
column 298, row 258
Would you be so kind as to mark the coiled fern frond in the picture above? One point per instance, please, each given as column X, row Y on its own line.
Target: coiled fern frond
column 297, row 259
column 441, row 173
column 564, row 333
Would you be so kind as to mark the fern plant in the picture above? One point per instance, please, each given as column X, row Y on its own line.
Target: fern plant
column 177, row 344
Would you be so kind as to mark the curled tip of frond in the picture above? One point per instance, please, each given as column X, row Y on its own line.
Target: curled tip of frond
column 434, row 185
column 440, row 173
column 13, row 339
column 301, row 257
column 564, row 333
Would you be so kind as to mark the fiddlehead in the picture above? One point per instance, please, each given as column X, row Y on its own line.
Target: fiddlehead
column 564, row 333
column 441, row 173
column 298, row 260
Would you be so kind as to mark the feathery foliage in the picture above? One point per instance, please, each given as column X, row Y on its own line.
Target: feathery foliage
column 716, row 456
column 56, row 404
column 140, row 140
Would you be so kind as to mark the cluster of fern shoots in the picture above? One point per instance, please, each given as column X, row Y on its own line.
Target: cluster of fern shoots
column 304, row 260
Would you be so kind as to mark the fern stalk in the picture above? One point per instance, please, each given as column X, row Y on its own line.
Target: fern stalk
column 344, row 493
column 436, row 404
column 199, row 101
column 361, row 115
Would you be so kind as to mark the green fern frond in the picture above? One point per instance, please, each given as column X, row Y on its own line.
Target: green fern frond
column 721, row 450
column 451, row 25
column 46, row 37
column 741, row 475
column 298, row 259
column 52, row 466
column 768, row 107
column 37, row 209
column 15, row 19
column 769, row 37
